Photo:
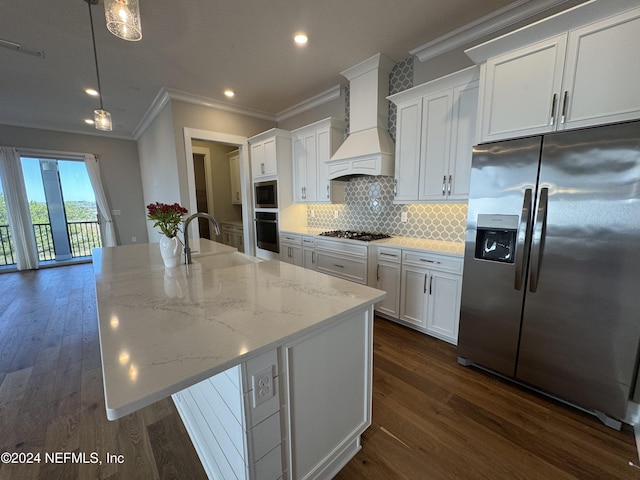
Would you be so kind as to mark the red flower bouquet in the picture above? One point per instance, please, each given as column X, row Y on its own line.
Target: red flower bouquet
column 167, row 217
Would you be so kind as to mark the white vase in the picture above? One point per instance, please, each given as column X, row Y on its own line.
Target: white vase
column 171, row 251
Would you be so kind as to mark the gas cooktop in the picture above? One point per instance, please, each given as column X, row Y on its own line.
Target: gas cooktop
column 355, row 235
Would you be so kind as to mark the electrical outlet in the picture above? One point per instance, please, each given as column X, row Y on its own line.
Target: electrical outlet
column 263, row 388
column 134, row 239
column 312, row 212
column 335, row 214
column 403, row 217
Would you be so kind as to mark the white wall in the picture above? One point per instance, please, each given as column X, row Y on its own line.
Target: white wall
column 119, row 169
column 158, row 166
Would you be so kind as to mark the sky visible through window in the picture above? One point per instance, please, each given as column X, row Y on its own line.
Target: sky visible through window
column 73, row 178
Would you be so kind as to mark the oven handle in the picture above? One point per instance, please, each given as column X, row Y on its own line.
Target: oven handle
column 264, row 221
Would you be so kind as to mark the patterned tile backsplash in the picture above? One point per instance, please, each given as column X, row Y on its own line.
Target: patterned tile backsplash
column 369, row 206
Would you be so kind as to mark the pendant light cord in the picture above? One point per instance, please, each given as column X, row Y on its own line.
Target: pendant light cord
column 95, row 54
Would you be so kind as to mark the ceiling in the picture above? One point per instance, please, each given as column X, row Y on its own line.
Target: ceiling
column 201, row 47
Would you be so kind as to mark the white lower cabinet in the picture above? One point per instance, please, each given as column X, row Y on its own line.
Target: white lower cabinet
column 291, row 249
column 388, row 279
column 345, row 259
column 309, row 253
column 233, row 235
column 423, row 292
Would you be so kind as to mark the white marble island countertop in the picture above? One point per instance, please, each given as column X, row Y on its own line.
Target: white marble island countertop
column 164, row 330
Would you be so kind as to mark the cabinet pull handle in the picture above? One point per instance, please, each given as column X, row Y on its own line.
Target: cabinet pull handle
column 387, row 254
column 378, row 273
column 337, row 265
column 395, row 187
column 424, row 289
column 444, row 185
column 262, row 168
column 328, row 193
column 429, row 261
column 449, row 187
column 313, row 257
column 430, row 284
column 564, row 106
column 553, row 108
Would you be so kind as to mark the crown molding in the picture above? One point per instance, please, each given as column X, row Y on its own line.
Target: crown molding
column 165, row 95
column 309, row 104
column 507, row 16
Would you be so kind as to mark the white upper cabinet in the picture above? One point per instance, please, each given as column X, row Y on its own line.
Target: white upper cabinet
column 581, row 77
column 602, row 71
column 313, row 146
column 521, row 90
column 234, row 168
column 435, row 134
column 266, row 148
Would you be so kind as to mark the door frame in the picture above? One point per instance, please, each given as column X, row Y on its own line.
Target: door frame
column 242, row 143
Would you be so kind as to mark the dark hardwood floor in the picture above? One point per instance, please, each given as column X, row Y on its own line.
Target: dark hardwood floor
column 432, row 419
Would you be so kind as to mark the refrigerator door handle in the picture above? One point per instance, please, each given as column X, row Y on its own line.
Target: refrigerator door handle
column 523, row 233
column 539, row 233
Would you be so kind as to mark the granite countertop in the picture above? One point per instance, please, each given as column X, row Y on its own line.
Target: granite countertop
column 162, row 330
column 425, row 244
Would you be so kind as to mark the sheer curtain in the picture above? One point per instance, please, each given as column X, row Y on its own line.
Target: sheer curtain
column 91, row 161
column 15, row 196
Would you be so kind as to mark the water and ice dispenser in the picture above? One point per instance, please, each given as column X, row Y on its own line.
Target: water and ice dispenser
column 496, row 237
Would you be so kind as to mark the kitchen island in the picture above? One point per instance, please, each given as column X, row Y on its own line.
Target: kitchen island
column 269, row 364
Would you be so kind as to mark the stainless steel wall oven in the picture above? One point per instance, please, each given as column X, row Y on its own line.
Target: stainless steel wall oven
column 267, row 231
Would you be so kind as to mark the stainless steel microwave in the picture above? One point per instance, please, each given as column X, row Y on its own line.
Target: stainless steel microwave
column 266, row 194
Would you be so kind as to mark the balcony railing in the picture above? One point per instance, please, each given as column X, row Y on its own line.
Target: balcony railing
column 83, row 236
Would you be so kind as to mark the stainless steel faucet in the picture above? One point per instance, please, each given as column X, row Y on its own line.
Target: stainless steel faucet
column 187, row 250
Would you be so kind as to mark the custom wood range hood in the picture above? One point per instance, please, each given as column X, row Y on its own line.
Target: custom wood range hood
column 369, row 149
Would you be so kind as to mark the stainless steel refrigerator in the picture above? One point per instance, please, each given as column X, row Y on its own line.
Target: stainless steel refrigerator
column 551, row 285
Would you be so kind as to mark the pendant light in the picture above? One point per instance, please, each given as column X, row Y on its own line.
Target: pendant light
column 123, row 19
column 101, row 118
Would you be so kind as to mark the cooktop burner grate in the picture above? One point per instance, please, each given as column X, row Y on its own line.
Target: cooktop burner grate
column 355, row 235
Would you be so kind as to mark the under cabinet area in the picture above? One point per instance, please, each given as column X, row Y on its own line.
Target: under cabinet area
column 435, row 135
column 313, row 146
column 581, row 77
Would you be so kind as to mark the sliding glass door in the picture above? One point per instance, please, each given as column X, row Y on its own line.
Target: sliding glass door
column 62, row 207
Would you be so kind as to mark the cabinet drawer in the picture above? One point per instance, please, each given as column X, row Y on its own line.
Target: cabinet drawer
column 386, row 254
column 290, row 238
column 432, row 261
column 350, row 247
column 340, row 266
column 308, row 242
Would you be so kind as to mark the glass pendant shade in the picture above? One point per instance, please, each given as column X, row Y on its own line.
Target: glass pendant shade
column 102, row 120
column 123, row 19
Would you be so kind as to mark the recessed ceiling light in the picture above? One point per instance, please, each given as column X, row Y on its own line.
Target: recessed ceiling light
column 88, row 121
column 229, row 93
column 300, row 38
column 91, row 91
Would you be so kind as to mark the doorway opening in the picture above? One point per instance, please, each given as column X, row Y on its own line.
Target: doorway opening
column 218, row 172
